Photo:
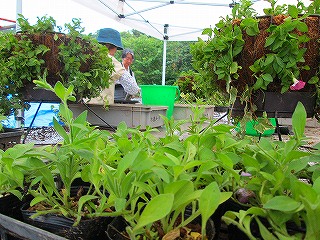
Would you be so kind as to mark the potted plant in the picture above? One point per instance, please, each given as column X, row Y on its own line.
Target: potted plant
column 248, row 56
column 184, row 176
column 37, row 51
column 277, row 188
column 117, row 188
column 16, row 167
column 70, row 211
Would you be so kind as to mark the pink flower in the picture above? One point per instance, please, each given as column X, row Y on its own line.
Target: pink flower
column 297, row 84
column 245, row 174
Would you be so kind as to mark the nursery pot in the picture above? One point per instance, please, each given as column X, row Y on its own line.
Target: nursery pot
column 277, row 105
column 93, row 228
column 116, row 230
column 62, row 226
column 10, row 206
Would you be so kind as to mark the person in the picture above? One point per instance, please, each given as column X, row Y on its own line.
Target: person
column 127, row 60
column 112, row 40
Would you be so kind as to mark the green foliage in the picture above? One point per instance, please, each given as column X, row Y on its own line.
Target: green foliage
column 147, row 64
column 214, row 59
column 43, row 24
column 229, row 60
column 276, row 178
column 22, row 59
column 194, row 89
column 188, row 173
column 71, row 160
column 285, row 56
column 87, row 83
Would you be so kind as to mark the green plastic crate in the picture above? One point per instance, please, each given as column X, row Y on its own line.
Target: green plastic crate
column 251, row 131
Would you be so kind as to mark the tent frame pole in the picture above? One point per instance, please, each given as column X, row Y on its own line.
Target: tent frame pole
column 164, row 60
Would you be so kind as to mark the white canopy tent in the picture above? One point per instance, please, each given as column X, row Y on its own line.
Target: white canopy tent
column 167, row 20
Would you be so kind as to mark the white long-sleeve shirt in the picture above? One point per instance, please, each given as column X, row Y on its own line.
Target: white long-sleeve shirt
column 121, row 76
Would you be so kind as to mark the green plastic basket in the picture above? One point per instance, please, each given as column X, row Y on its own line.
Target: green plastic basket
column 251, row 131
column 160, row 95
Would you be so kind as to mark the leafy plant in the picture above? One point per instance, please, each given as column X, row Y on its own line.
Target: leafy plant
column 285, row 55
column 20, row 61
column 80, row 141
column 245, row 54
column 38, row 52
column 43, row 24
column 195, row 90
column 17, row 164
column 276, row 173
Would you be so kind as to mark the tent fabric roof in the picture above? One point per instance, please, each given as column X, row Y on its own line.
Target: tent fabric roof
column 179, row 20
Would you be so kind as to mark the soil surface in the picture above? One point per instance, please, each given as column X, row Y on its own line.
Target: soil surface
column 48, row 135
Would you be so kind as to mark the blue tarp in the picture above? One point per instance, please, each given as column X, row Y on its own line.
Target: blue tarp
column 44, row 117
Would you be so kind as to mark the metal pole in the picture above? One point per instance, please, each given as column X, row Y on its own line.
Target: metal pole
column 20, row 112
column 164, row 57
column 164, row 60
column 18, row 11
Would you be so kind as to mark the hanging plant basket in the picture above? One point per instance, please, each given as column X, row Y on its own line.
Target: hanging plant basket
column 269, row 53
column 52, row 58
column 254, row 48
column 32, row 94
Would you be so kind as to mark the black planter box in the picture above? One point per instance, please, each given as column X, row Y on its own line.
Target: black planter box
column 10, row 137
column 32, row 94
column 11, row 228
column 277, row 105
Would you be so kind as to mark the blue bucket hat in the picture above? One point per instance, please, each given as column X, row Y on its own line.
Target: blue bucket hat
column 109, row 35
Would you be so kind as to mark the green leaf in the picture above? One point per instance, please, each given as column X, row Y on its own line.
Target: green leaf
column 267, row 77
column 265, row 233
column 316, row 185
column 299, row 118
column 62, row 132
column 270, row 40
column 208, row 203
column 127, row 161
column 81, row 202
column 302, row 26
column 158, row 208
column 293, row 11
column 59, row 90
column 282, row 203
column 120, row 204
column 268, row 176
column 37, row 200
column 269, row 59
column 233, row 67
